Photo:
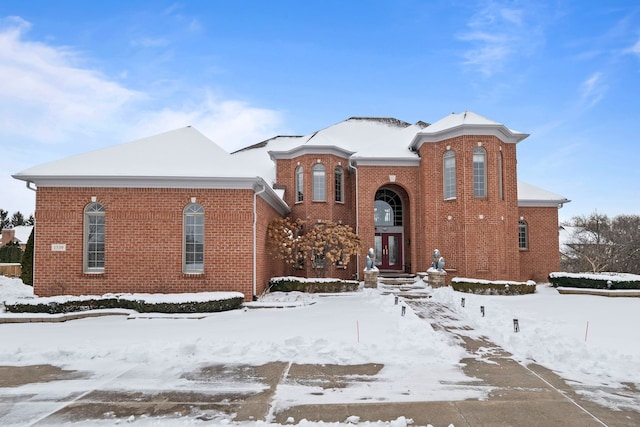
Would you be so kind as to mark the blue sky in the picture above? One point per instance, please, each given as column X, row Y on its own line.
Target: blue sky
column 76, row 76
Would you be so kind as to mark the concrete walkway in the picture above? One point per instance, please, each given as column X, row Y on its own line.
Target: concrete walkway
column 521, row 396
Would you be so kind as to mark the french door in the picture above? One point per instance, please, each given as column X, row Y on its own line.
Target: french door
column 388, row 247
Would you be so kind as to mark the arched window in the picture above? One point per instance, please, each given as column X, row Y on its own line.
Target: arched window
column 387, row 208
column 339, row 184
column 299, row 184
column 523, row 234
column 500, row 178
column 479, row 172
column 319, row 183
column 193, row 239
column 449, row 167
column 94, row 238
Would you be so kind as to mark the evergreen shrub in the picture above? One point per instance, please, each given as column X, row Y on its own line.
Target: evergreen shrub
column 122, row 302
column 595, row 280
column 300, row 284
column 486, row 287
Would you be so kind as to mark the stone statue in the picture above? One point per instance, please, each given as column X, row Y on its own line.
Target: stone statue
column 438, row 261
column 370, row 261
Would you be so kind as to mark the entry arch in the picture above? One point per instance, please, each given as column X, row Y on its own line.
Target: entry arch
column 391, row 219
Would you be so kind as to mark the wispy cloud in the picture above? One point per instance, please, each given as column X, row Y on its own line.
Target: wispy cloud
column 52, row 99
column 496, row 33
column 635, row 49
column 592, row 90
column 46, row 95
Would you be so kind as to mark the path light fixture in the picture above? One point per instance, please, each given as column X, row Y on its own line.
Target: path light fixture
column 462, row 302
column 482, row 310
column 404, row 310
column 516, row 325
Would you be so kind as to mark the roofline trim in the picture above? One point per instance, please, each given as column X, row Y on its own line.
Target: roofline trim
column 541, row 203
column 310, row 149
column 232, row 183
column 497, row 130
column 385, row 161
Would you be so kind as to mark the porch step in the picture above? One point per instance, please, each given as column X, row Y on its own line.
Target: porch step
column 397, row 279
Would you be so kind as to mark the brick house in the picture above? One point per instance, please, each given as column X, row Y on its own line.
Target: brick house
column 176, row 213
column 19, row 234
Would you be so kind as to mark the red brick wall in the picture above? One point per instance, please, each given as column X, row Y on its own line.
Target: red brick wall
column 543, row 254
column 267, row 266
column 476, row 236
column 313, row 211
column 143, row 241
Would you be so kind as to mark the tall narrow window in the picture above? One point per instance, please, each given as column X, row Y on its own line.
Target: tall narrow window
column 449, row 167
column 319, row 183
column 479, row 172
column 523, row 235
column 299, row 184
column 500, row 178
column 339, row 184
column 193, row 235
column 94, row 238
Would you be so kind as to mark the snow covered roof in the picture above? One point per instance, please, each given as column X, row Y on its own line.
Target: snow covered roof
column 466, row 123
column 186, row 158
column 361, row 137
column 21, row 233
column 532, row 196
column 174, row 159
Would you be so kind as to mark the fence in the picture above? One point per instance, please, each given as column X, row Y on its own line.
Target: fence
column 10, row 269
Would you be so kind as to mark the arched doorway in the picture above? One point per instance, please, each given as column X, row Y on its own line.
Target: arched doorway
column 389, row 229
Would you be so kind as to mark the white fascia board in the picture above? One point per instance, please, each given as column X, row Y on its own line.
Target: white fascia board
column 310, row 149
column 226, row 183
column 499, row 131
column 542, row 203
column 385, row 161
column 271, row 196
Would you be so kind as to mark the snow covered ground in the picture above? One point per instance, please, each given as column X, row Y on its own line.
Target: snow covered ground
column 365, row 327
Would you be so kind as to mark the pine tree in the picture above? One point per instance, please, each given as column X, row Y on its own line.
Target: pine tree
column 11, row 252
column 4, row 221
column 27, row 261
column 17, row 219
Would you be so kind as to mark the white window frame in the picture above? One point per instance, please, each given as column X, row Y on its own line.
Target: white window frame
column 299, row 184
column 480, row 172
column 500, row 177
column 94, row 238
column 339, row 184
column 449, row 174
column 193, row 226
column 523, row 235
column 319, row 181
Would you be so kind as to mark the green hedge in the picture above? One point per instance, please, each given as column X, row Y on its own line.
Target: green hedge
column 493, row 288
column 289, row 284
column 98, row 303
column 592, row 281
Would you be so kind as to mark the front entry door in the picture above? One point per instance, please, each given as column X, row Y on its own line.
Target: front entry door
column 388, row 251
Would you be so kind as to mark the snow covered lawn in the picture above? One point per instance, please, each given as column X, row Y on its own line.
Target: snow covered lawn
column 420, row 364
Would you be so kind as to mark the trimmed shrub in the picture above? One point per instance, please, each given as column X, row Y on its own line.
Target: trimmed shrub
column 595, row 280
column 123, row 302
column 300, row 284
column 486, row 287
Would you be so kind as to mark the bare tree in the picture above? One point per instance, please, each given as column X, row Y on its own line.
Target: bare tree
column 597, row 243
column 588, row 247
column 625, row 235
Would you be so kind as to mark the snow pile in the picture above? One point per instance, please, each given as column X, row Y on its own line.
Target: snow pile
column 614, row 277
